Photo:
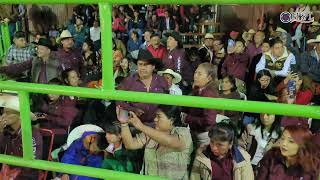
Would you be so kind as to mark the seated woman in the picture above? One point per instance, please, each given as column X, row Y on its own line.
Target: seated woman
column 228, row 89
column 70, row 77
column 202, row 120
column 117, row 157
column 261, row 137
column 262, row 90
column 222, row 159
column 300, row 94
column 85, row 151
column 167, row 147
column 296, row 158
column 11, row 136
column 303, row 93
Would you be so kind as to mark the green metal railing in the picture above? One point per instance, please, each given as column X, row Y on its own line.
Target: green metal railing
column 4, row 40
column 108, row 91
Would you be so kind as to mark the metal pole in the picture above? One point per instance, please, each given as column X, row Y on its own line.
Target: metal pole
column 106, row 45
column 28, row 153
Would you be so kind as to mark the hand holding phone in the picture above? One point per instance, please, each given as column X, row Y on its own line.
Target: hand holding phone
column 123, row 115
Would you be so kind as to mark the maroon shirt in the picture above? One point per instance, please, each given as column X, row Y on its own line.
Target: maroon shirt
column 199, row 119
column 133, row 83
column 287, row 121
column 236, row 65
column 12, row 145
column 252, row 50
column 272, row 166
column 60, row 115
column 222, row 169
column 175, row 60
column 71, row 59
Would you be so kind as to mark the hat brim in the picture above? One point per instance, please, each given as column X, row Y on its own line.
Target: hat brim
column 59, row 39
column 176, row 77
column 77, row 132
column 37, row 44
column 154, row 61
column 313, row 41
column 10, row 100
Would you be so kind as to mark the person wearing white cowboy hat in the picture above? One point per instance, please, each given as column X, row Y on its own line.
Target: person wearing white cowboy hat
column 313, row 30
column 247, row 36
column 310, row 61
column 69, row 56
column 172, row 78
column 89, row 146
column 206, row 51
column 11, row 134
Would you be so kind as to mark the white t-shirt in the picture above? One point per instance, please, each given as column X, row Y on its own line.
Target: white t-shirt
column 95, row 34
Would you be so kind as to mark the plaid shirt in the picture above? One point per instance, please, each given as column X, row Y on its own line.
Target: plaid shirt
column 19, row 55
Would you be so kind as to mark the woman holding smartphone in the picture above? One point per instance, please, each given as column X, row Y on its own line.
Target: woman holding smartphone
column 167, row 146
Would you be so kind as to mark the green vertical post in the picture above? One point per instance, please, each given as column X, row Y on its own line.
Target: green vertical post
column 6, row 37
column 105, row 10
column 1, row 47
column 26, row 125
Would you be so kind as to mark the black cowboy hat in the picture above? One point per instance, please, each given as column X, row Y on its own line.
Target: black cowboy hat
column 145, row 55
column 44, row 42
column 175, row 36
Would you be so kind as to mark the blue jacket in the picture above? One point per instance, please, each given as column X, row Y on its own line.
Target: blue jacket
column 77, row 154
column 134, row 45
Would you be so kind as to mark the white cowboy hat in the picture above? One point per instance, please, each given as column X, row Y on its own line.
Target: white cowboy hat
column 11, row 101
column 176, row 77
column 63, row 35
column 77, row 132
column 315, row 23
column 317, row 40
column 208, row 36
column 246, row 33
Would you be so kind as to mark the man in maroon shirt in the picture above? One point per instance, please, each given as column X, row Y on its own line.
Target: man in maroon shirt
column 156, row 48
column 145, row 80
column 69, row 56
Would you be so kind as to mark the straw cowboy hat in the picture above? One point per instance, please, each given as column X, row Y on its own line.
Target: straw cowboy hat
column 176, row 77
column 208, row 36
column 315, row 23
column 246, row 33
column 65, row 34
column 317, row 40
column 11, row 101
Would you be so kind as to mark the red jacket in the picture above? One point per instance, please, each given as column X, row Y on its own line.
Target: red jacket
column 157, row 53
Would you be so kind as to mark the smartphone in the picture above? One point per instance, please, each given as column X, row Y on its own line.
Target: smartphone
column 123, row 115
column 292, row 89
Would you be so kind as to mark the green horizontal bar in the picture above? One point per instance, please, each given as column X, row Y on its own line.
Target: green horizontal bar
column 73, row 169
column 26, row 125
column 159, row 1
column 189, row 101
